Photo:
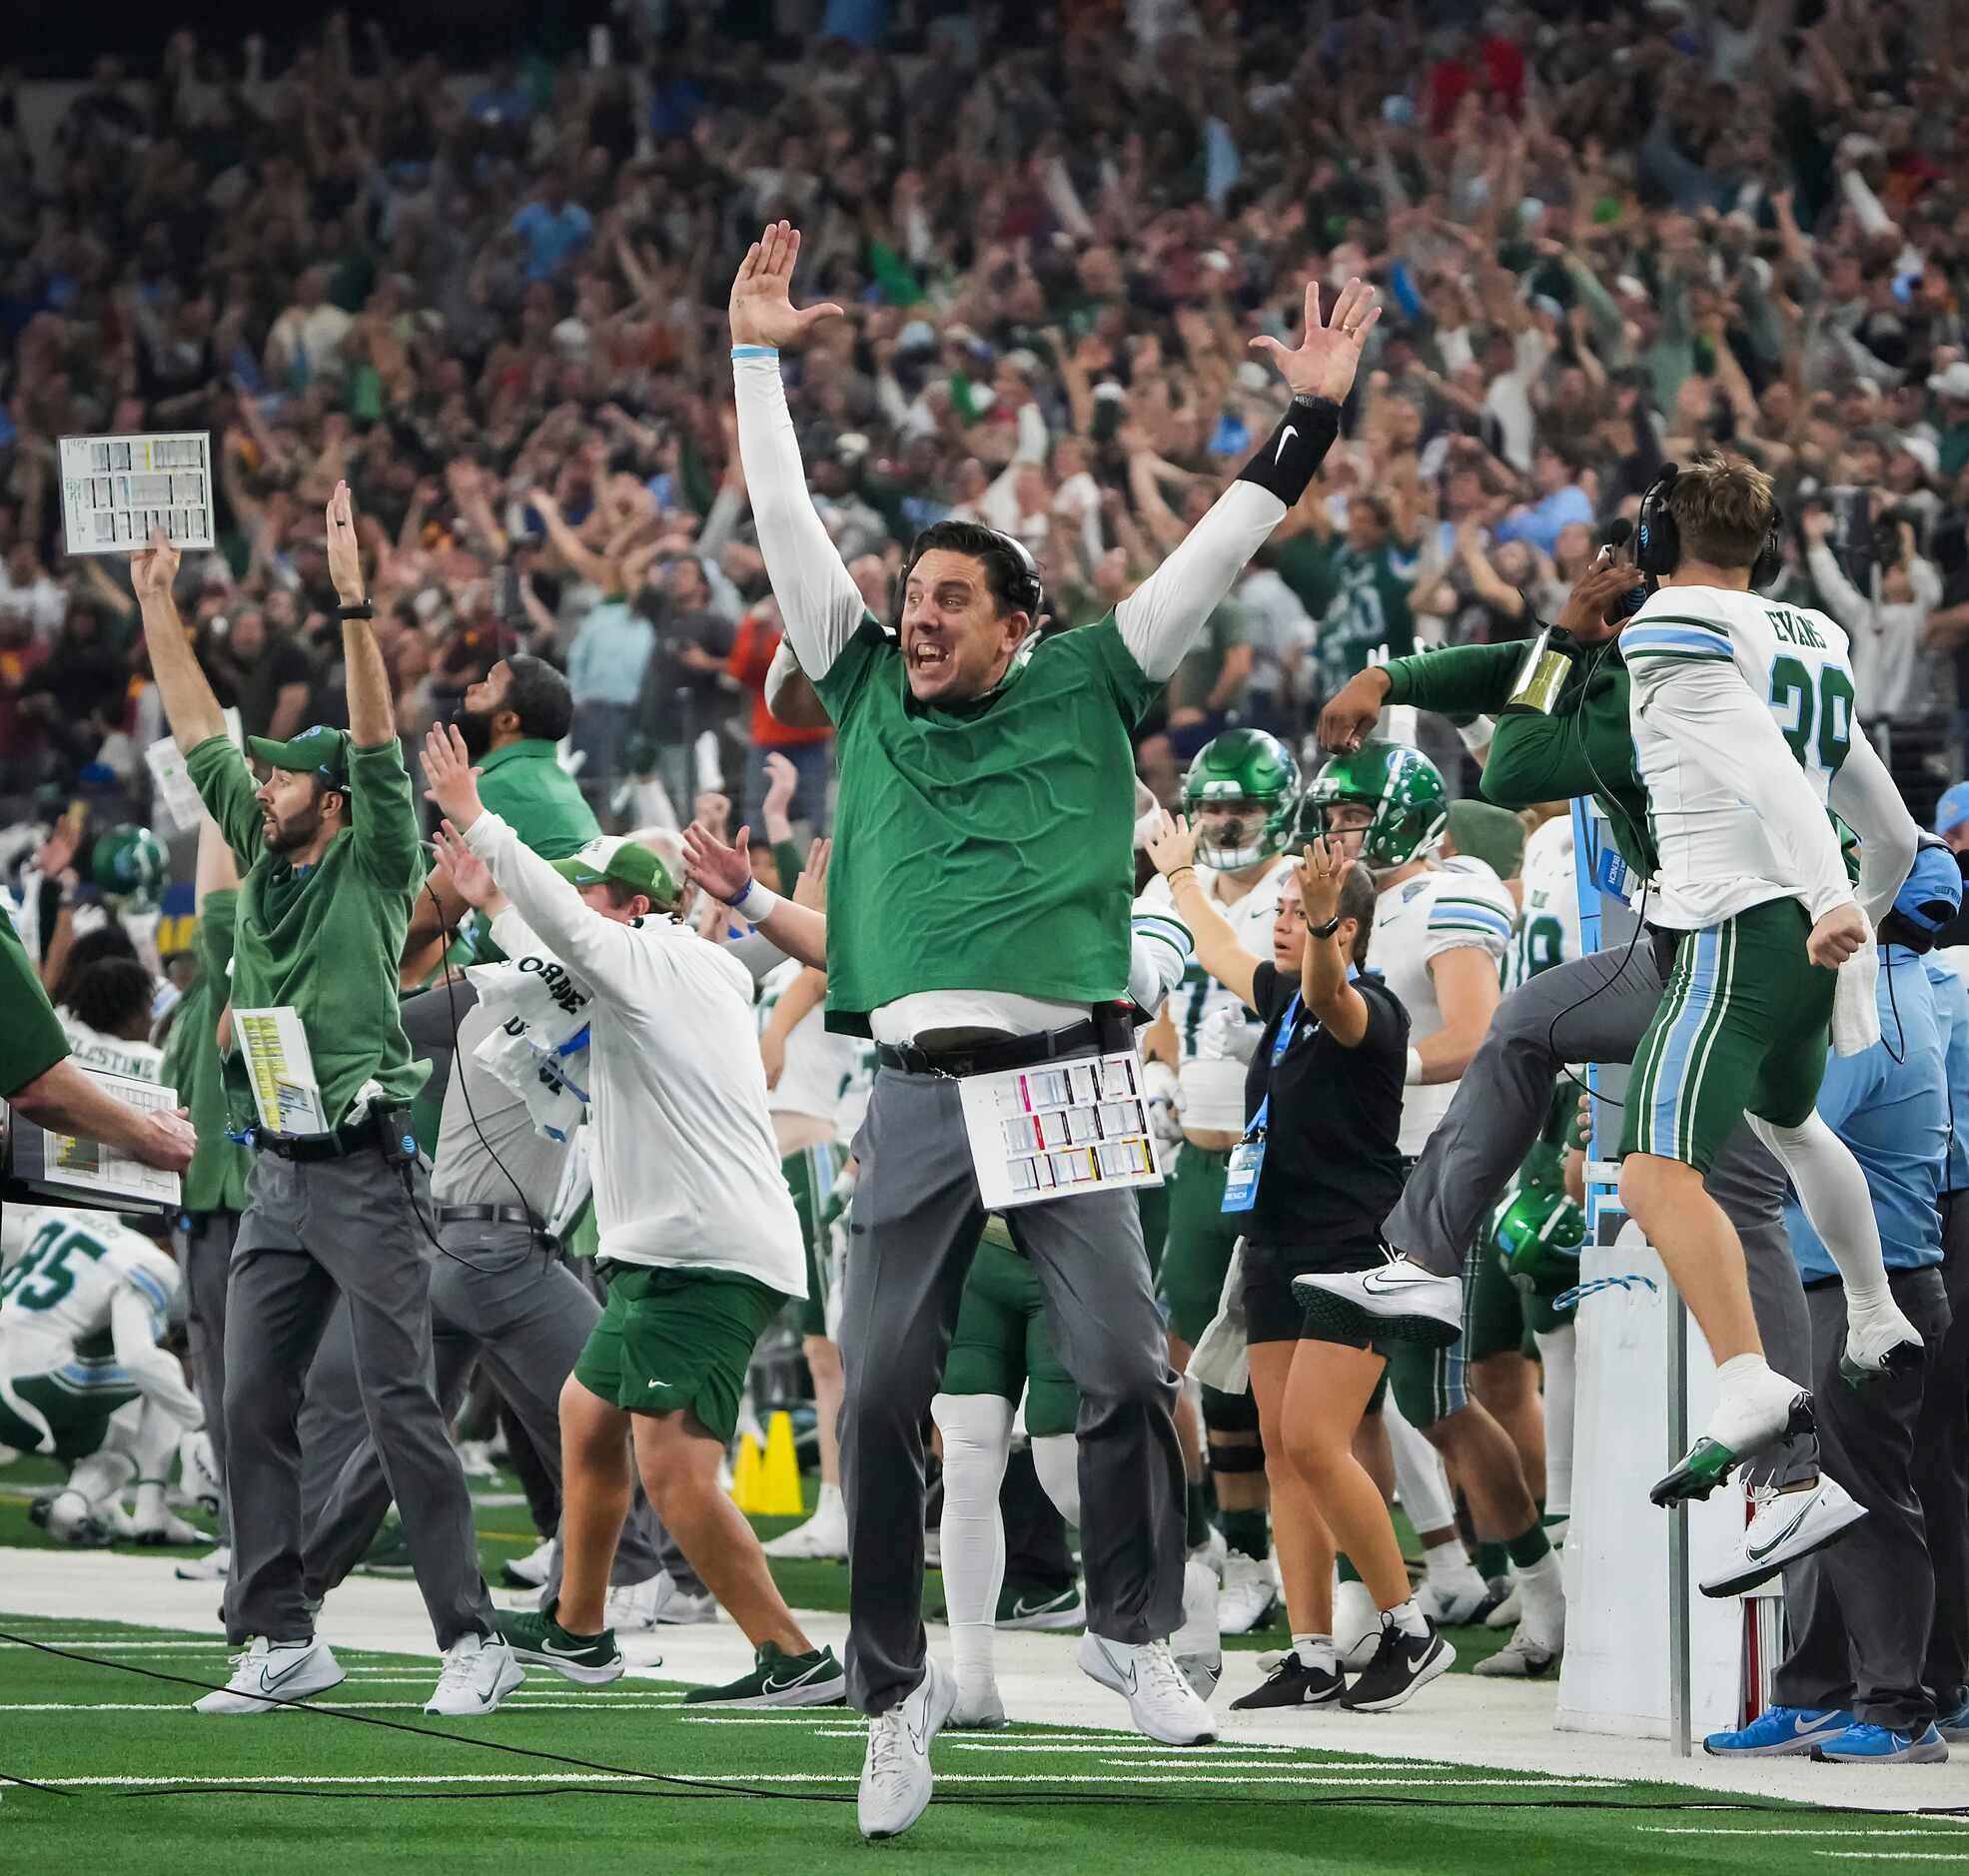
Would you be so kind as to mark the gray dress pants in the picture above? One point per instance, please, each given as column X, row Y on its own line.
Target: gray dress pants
column 912, row 1230
column 206, row 1256
column 310, row 1231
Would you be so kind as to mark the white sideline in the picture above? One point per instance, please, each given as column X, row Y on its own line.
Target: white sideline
column 1457, row 1722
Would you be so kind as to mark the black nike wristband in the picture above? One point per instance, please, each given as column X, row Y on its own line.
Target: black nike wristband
column 1292, row 455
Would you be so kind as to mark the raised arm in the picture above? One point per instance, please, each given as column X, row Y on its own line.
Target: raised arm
column 1171, row 849
column 190, row 706
column 726, row 872
column 1324, row 984
column 1161, row 620
column 371, row 713
column 818, row 600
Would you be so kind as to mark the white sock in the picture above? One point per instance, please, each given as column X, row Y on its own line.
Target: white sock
column 150, row 1501
column 1056, row 1458
column 1559, row 1352
column 1745, row 1375
column 1450, row 1566
column 1407, row 1617
column 1421, row 1481
column 977, row 1440
column 1542, row 1589
column 1832, row 1189
column 1316, row 1652
column 829, row 1504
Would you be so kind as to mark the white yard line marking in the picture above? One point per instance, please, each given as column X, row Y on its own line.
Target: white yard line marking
column 1897, row 1856
column 765, row 1778
column 1739, row 1831
column 534, row 1702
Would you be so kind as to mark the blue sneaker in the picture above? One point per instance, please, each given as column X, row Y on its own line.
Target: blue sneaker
column 1861, row 1744
column 1954, row 1725
column 1779, row 1730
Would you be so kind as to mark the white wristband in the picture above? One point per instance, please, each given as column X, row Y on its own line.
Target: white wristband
column 1476, row 734
column 756, row 903
column 1415, row 1074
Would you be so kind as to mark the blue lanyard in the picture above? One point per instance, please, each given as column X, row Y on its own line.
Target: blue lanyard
column 1280, row 1044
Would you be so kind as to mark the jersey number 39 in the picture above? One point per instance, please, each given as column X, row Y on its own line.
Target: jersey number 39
column 1802, row 707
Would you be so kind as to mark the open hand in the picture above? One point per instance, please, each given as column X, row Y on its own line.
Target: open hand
column 154, row 572
column 1173, row 844
column 811, row 892
column 449, row 777
column 762, row 309
column 345, row 551
column 1328, row 354
column 1596, row 592
column 1321, row 875
column 469, row 874
column 723, row 871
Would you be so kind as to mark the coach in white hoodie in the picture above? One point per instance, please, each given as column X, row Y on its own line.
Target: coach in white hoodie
column 698, row 1236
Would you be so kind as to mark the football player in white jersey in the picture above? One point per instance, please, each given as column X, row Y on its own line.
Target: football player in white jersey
column 105, row 1010
column 1241, row 795
column 83, row 1305
column 1547, row 931
column 1747, row 731
column 810, row 1073
column 1439, row 938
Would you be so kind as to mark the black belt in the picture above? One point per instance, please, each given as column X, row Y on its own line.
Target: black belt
column 990, row 1058
column 306, row 1149
column 485, row 1214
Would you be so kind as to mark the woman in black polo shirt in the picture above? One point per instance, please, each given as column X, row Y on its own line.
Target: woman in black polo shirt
column 1318, row 1169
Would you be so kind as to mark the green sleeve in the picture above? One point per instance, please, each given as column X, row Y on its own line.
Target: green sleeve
column 1536, row 758
column 842, row 688
column 786, row 856
column 31, row 1039
column 1102, row 644
column 382, row 812
column 225, row 785
column 1459, row 680
column 213, row 942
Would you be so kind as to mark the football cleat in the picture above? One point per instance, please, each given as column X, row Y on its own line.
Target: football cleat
column 274, row 1674
column 780, row 1679
column 1879, row 1340
column 1524, row 1657
column 479, row 1673
column 1213, row 1552
column 1163, row 1705
column 387, row 1555
column 895, row 1771
column 1784, row 1527
column 1779, row 1732
column 1461, row 1605
column 1250, row 1596
column 1510, row 1610
column 66, row 1517
column 169, row 1530
column 1744, row 1425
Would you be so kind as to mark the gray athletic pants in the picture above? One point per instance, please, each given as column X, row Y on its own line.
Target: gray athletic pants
column 1595, row 1009
column 310, row 1231
column 205, row 1254
column 1860, row 1609
column 913, row 1226
column 1941, row 1467
column 494, row 1298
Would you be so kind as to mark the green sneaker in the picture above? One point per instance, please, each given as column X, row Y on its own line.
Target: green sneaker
column 1040, row 1608
column 389, row 1555
column 780, row 1679
column 538, row 1639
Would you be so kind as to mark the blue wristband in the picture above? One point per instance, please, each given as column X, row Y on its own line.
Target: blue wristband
column 755, row 351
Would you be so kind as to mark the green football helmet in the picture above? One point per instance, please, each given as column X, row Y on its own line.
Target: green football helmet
column 1402, row 788
column 129, row 864
column 1538, row 1234
column 1243, row 765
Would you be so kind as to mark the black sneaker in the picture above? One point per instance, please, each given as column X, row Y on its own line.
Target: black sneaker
column 1293, row 1683
column 1401, row 1664
column 536, row 1638
column 780, row 1679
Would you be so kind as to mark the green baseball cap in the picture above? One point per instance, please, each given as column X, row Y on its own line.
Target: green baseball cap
column 321, row 753
column 611, row 857
column 1493, row 835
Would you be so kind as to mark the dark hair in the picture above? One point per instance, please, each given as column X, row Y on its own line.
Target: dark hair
column 112, row 996
column 538, row 696
column 1008, row 571
column 106, row 942
column 1356, row 901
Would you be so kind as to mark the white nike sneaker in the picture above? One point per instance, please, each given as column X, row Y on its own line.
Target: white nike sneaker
column 1456, row 1604
column 1213, row 1552
column 1195, row 1645
column 1356, row 1626
column 1249, row 1596
column 1878, row 1339
column 273, row 1674
column 654, row 1601
column 823, row 1538
column 476, row 1460
column 1785, row 1526
column 978, row 1708
column 1398, row 1299
column 169, row 1530
column 213, row 1567
column 198, row 1476
column 1524, row 1657
column 1163, row 1705
column 479, row 1673
column 530, row 1571
column 896, row 1774
column 1749, row 1419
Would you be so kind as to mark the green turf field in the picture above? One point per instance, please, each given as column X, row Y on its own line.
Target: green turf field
column 149, row 1786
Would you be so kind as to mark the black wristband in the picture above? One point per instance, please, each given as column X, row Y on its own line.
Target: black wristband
column 1292, row 455
column 362, row 609
column 1327, row 930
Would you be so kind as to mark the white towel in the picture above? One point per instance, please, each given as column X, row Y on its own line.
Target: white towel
column 1219, row 1360
column 1855, row 1011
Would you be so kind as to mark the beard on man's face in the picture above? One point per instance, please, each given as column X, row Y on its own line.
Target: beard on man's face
column 475, row 726
column 295, row 832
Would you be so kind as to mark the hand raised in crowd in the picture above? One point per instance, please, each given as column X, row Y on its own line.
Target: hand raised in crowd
column 713, row 811
column 782, row 783
column 1328, row 355
column 469, row 874
column 1173, row 844
column 345, row 549
column 1596, row 595
column 154, row 572
column 1353, row 711
column 762, row 309
column 723, row 871
column 1322, row 873
column 449, row 777
column 811, row 892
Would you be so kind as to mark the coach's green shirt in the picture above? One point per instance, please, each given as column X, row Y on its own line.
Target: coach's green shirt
column 31, row 1038
column 326, row 938
column 986, row 845
column 1584, row 748
column 526, row 786
column 216, row 1179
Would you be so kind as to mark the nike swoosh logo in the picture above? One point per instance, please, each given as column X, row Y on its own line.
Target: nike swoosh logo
column 1801, row 1725
column 1290, row 430
column 1019, row 1607
column 548, row 1647
column 1129, row 1678
column 1376, row 1283
column 268, row 1683
column 1757, row 1552
column 769, row 1685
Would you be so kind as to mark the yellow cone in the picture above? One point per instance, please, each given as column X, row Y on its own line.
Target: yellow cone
column 779, row 1475
column 746, row 1476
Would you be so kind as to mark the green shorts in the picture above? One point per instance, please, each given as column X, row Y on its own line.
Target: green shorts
column 1200, row 1239
column 810, row 1176
column 1001, row 1346
column 75, row 1402
column 1743, row 1029
column 1495, row 1321
column 1152, row 1203
column 672, row 1339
